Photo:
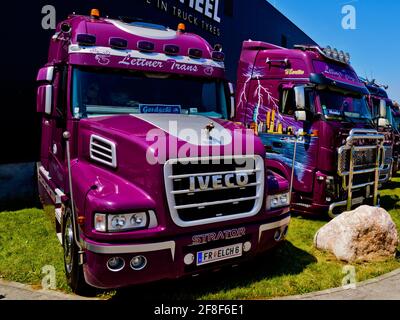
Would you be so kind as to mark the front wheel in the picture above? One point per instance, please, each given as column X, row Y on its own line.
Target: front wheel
column 73, row 271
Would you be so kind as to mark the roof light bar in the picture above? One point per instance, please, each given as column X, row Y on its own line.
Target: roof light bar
column 328, row 52
column 84, row 39
column 334, row 54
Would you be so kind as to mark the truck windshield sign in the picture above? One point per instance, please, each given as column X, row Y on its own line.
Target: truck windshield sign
column 336, row 72
column 159, row 108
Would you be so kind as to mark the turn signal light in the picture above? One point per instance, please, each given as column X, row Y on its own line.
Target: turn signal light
column 181, row 27
column 95, row 13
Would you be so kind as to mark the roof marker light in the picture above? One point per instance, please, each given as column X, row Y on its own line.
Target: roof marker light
column 84, row 39
column 218, row 56
column 181, row 27
column 118, row 43
column 95, row 13
column 195, row 53
column 146, row 46
column 171, row 49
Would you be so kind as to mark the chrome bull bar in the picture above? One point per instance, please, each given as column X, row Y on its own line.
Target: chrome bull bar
column 348, row 170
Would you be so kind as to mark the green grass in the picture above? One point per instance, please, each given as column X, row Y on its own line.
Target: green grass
column 28, row 242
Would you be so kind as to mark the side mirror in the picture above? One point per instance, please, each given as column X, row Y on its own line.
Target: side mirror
column 300, row 97
column 382, row 122
column 300, row 115
column 44, row 99
column 231, row 106
column 382, row 109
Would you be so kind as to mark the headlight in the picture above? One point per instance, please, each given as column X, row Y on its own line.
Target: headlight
column 278, row 201
column 120, row 222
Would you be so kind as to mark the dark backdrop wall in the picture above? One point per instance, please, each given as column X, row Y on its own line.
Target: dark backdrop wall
column 27, row 28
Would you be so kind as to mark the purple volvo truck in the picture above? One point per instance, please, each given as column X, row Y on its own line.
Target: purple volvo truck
column 381, row 109
column 396, row 129
column 149, row 178
column 309, row 108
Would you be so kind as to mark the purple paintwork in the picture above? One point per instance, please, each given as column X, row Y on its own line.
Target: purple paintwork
column 264, row 71
column 135, row 185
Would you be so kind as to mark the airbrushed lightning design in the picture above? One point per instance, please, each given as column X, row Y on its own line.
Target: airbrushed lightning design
column 261, row 92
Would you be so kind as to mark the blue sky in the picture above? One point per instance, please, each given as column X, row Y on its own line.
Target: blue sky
column 374, row 45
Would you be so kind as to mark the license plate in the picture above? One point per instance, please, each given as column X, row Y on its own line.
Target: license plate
column 219, row 254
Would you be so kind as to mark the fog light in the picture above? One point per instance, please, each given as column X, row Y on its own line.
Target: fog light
column 115, row 264
column 189, row 259
column 138, row 263
column 247, row 246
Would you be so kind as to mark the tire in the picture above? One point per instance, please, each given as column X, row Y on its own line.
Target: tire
column 73, row 271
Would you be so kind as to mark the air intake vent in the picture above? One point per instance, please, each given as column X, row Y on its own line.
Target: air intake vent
column 103, row 151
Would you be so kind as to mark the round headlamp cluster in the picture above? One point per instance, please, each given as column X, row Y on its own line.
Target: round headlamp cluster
column 278, row 201
column 120, row 222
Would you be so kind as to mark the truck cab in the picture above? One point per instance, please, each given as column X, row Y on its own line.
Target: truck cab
column 396, row 132
column 149, row 177
column 309, row 108
column 381, row 110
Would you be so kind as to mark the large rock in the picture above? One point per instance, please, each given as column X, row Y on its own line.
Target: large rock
column 365, row 234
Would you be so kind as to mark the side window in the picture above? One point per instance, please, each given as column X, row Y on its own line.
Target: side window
column 288, row 102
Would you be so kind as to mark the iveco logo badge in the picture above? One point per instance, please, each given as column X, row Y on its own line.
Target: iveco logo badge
column 217, row 182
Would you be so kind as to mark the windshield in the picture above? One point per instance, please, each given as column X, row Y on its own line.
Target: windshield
column 110, row 92
column 338, row 106
column 396, row 121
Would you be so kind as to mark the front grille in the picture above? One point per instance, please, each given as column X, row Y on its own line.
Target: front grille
column 363, row 160
column 210, row 190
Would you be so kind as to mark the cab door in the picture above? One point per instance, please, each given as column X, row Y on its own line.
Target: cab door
column 57, row 159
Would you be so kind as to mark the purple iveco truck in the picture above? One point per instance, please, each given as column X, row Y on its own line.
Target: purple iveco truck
column 149, row 178
column 381, row 109
column 309, row 107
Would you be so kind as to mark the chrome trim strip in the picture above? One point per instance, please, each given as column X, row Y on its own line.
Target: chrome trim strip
column 128, row 249
column 273, row 225
column 112, row 149
column 210, row 189
column 182, row 176
column 208, row 204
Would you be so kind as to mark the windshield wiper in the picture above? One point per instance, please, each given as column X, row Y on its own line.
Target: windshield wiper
column 348, row 118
